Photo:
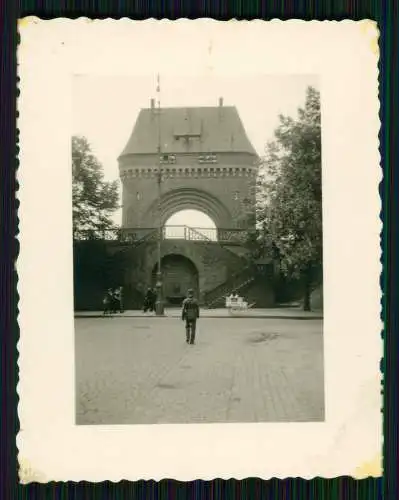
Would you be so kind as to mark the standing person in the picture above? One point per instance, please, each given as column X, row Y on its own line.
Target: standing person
column 121, row 309
column 107, row 302
column 115, row 301
column 118, row 299
column 190, row 314
column 154, row 298
column 148, row 300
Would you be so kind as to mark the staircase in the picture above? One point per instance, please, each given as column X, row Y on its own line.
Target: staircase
column 236, row 282
column 194, row 235
column 151, row 235
column 215, row 297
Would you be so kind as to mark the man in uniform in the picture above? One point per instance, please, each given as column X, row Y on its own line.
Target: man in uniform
column 190, row 314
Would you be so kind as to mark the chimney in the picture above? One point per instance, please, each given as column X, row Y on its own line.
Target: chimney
column 152, row 103
column 220, row 108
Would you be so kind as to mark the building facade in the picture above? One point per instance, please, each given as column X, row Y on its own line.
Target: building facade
column 206, row 161
column 176, row 159
column 190, row 158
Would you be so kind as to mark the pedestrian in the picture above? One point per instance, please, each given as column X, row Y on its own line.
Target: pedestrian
column 118, row 299
column 107, row 302
column 190, row 314
column 121, row 308
column 148, row 301
column 153, row 299
column 115, row 300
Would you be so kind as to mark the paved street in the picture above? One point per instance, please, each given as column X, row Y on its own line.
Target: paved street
column 279, row 313
column 140, row 370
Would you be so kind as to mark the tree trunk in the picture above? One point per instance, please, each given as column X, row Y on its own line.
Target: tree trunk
column 307, row 291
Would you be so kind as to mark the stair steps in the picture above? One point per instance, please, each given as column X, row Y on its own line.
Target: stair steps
column 233, row 284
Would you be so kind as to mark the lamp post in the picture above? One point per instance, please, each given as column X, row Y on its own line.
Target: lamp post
column 159, row 305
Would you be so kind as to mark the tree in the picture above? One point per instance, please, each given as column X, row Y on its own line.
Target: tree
column 289, row 194
column 94, row 200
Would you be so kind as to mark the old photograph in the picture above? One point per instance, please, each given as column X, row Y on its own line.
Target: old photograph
column 198, row 272
column 199, row 256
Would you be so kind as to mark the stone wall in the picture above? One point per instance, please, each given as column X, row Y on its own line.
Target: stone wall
column 213, row 263
column 100, row 265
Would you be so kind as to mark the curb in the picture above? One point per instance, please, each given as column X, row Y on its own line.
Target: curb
column 236, row 316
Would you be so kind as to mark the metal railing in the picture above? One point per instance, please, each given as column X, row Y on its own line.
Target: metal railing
column 233, row 284
column 121, row 235
column 190, row 233
column 234, row 235
column 135, row 235
column 140, row 235
column 206, row 234
column 96, row 234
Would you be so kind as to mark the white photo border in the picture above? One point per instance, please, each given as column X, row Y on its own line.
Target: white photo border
column 345, row 56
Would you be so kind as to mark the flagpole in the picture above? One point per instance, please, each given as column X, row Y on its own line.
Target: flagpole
column 159, row 305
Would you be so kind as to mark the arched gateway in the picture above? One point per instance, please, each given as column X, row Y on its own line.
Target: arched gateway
column 179, row 275
column 189, row 158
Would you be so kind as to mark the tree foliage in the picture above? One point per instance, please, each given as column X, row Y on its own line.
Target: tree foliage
column 289, row 195
column 94, row 200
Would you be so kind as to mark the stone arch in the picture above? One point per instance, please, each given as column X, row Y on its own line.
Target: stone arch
column 176, row 227
column 188, row 198
column 175, row 248
column 179, row 273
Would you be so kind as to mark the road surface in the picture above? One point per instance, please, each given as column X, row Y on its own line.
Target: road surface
column 140, row 370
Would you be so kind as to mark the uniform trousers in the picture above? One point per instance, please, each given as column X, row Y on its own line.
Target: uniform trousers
column 191, row 325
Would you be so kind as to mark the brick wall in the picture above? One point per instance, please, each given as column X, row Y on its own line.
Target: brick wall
column 100, row 265
column 213, row 263
column 228, row 202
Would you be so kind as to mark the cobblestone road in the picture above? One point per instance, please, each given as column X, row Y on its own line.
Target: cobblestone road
column 140, row 370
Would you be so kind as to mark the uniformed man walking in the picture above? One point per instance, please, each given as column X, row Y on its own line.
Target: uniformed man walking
column 190, row 314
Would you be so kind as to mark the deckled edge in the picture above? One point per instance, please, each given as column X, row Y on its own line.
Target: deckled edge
column 368, row 469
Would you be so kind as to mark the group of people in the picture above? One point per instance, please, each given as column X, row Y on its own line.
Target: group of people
column 234, row 301
column 113, row 301
column 150, row 300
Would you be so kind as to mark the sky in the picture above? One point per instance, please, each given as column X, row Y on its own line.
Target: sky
column 105, row 108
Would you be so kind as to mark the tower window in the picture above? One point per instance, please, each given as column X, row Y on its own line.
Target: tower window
column 167, row 159
column 207, row 158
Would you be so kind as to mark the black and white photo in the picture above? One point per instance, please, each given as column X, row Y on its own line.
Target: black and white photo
column 199, row 250
column 205, row 214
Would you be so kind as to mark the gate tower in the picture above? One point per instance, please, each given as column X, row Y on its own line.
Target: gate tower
column 206, row 161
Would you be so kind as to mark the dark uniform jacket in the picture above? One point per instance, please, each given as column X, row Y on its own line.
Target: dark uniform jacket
column 190, row 311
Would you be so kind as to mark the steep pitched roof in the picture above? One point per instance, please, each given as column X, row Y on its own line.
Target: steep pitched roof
column 184, row 130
